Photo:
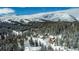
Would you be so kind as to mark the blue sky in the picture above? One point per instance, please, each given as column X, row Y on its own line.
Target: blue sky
column 34, row 10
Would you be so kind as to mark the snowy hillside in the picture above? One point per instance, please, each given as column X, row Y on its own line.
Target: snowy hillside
column 58, row 16
column 51, row 31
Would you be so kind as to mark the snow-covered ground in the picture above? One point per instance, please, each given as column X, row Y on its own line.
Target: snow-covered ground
column 44, row 44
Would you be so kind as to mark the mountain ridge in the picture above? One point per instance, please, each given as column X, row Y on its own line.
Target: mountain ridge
column 42, row 17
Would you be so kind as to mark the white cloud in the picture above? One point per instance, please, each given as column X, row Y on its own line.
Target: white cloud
column 6, row 11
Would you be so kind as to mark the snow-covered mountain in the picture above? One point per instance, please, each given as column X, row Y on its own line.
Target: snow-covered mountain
column 41, row 26
column 20, row 22
column 42, row 17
